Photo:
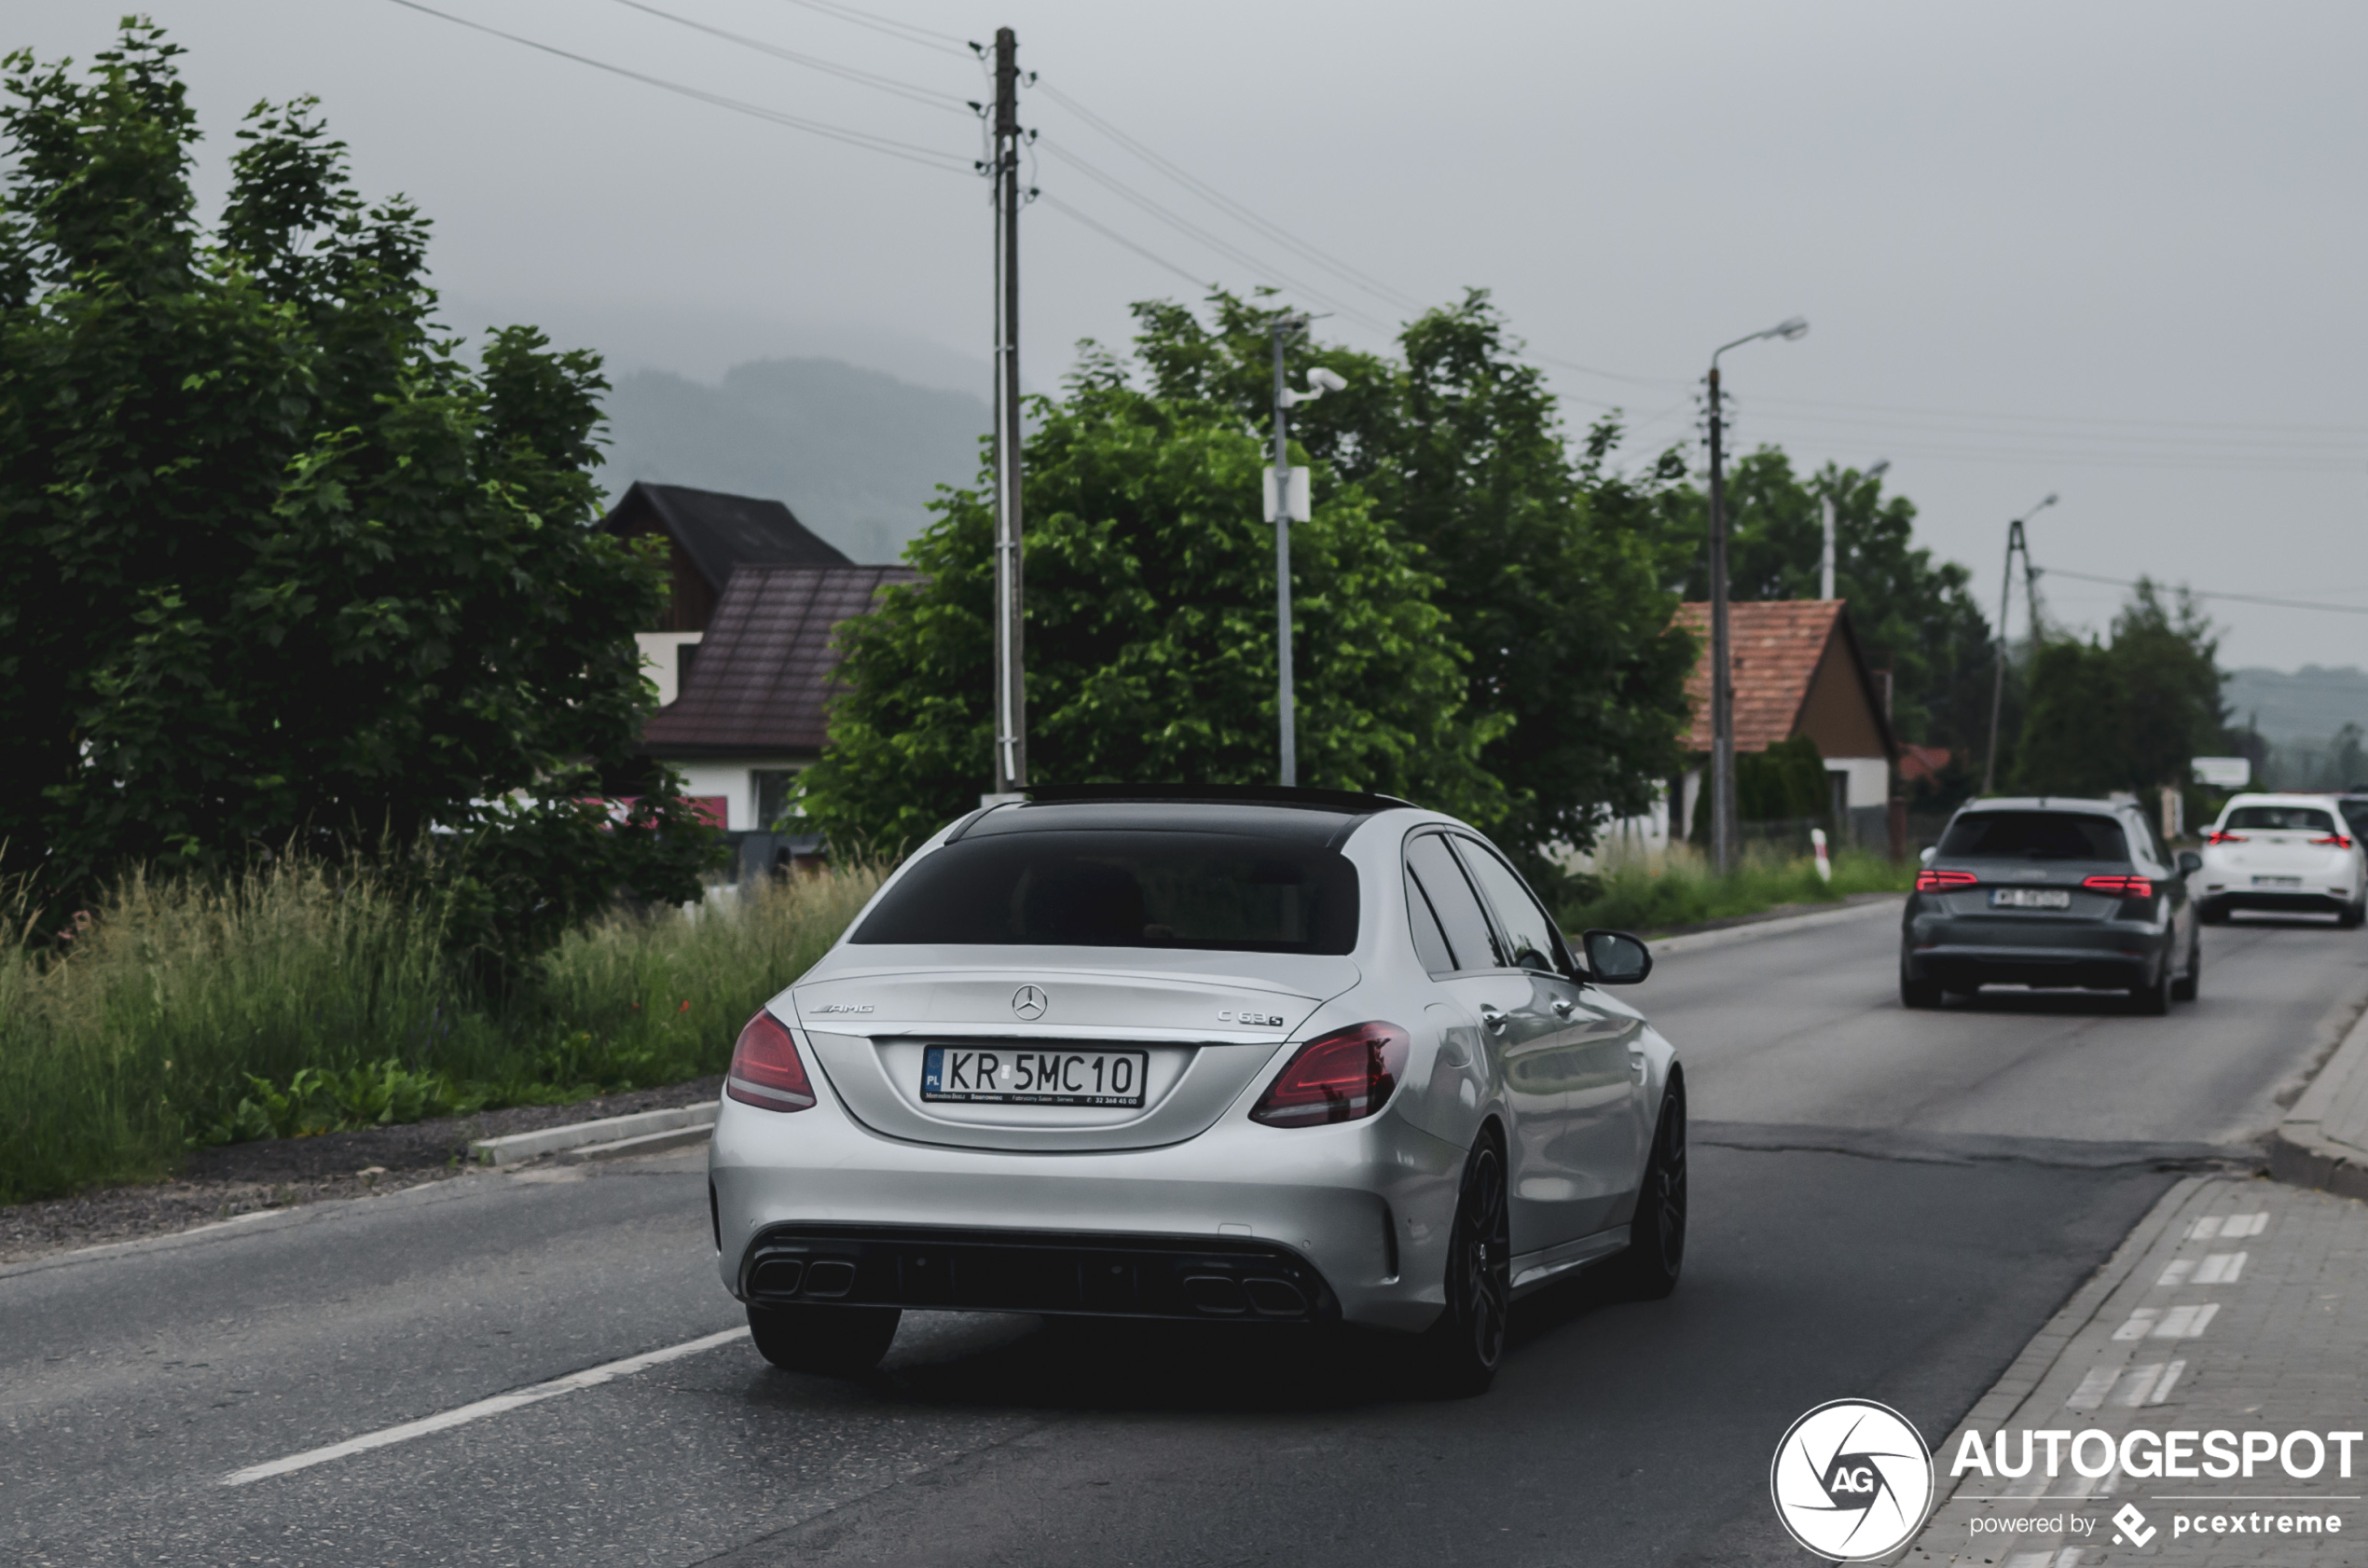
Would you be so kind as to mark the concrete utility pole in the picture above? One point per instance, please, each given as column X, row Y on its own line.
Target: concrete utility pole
column 1279, row 512
column 1011, row 689
column 2015, row 540
column 1722, row 826
column 1825, row 562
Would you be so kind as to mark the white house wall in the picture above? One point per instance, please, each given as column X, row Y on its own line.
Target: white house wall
column 661, row 659
column 1866, row 780
column 735, row 780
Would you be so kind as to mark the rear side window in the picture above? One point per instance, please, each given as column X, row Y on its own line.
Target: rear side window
column 2036, row 836
column 1430, row 942
column 1535, row 944
column 1117, row 889
column 2277, row 818
column 1436, row 876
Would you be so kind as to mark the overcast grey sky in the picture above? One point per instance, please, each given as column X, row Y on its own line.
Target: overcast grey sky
column 2111, row 251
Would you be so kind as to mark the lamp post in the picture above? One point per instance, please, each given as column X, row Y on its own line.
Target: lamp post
column 1825, row 562
column 2015, row 540
column 1722, row 689
column 1287, row 499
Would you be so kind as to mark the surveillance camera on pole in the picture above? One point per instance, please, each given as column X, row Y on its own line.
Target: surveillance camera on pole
column 1289, row 501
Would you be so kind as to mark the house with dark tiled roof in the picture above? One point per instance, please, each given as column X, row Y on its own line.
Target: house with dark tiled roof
column 742, row 655
column 1798, row 670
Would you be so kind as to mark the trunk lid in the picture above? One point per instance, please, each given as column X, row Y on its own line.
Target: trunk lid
column 1207, row 1022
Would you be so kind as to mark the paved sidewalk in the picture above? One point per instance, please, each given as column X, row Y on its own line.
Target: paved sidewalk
column 2323, row 1141
column 2239, row 1306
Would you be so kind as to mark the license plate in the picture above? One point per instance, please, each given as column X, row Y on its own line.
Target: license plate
column 1006, row 1075
column 2029, row 898
column 2277, row 881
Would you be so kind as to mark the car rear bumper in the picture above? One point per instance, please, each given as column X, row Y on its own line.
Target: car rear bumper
column 2098, row 955
column 1353, row 1218
column 2289, row 900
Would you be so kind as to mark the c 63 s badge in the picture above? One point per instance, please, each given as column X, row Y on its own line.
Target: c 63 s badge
column 1853, row 1481
column 1251, row 1020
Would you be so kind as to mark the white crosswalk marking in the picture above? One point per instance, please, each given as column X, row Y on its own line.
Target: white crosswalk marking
column 2175, row 1275
column 2140, row 1322
column 2185, row 1323
column 2093, row 1388
column 2221, row 1267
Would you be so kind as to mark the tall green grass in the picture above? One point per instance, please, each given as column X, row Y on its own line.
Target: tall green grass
column 301, row 996
column 1682, row 890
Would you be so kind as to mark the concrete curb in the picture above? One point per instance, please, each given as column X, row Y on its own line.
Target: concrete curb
column 2305, row 1151
column 691, row 1122
column 648, row 1143
column 1784, row 925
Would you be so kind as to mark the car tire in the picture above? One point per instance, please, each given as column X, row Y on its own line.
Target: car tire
column 1916, row 993
column 1656, row 1255
column 2212, row 913
column 830, row 1341
column 1465, row 1346
column 2352, row 917
column 2153, row 997
column 2184, row 989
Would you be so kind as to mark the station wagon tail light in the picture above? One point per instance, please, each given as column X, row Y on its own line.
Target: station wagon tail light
column 2333, row 841
column 1944, row 881
column 2121, row 886
column 2218, row 837
column 1344, row 1076
column 765, row 1069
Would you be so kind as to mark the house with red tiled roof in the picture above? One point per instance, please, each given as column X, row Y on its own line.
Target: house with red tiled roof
column 742, row 657
column 1798, row 670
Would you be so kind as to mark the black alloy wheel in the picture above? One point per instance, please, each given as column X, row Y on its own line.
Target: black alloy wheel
column 1655, row 1254
column 2184, row 989
column 1917, row 993
column 2152, row 996
column 1468, row 1341
column 827, row 1342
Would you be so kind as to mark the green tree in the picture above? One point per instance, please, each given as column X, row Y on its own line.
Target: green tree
column 1551, row 566
column 275, row 564
column 2128, row 714
column 1150, row 633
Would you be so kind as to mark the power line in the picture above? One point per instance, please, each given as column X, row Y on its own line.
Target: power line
column 1116, row 237
column 929, row 158
column 2201, row 592
column 929, row 96
column 904, row 32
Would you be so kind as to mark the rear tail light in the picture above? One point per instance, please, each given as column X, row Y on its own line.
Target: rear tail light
column 1944, row 881
column 2121, row 886
column 2333, row 841
column 2223, row 838
column 1344, row 1076
column 765, row 1069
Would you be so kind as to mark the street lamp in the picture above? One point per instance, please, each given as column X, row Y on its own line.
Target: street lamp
column 1286, row 502
column 1825, row 562
column 2015, row 540
column 1722, row 689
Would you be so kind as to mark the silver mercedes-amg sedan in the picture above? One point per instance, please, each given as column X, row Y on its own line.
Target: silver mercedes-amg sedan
column 1249, row 1056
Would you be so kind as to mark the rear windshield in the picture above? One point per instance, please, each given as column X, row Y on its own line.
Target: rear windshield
column 2036, row 836
column 2356, row 812
column 2275, row 818
column 1124, row 889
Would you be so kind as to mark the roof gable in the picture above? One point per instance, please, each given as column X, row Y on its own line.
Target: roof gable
column 763, row 679
column 1777, row 650
column 721, row 532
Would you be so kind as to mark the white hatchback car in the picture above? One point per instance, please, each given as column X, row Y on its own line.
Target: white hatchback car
column 2294, row 853
column 1252, row 1055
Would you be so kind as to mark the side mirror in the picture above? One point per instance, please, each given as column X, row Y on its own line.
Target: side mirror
column 1616, row 958
column 1924, row 856
column 2189, row 861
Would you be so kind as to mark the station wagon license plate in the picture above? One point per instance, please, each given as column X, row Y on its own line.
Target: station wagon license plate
column 2277, row 881
column 2029, row 898
column 1003, row 1075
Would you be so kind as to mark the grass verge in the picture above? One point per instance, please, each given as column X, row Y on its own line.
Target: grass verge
column 1634, row 896
column 301, row 998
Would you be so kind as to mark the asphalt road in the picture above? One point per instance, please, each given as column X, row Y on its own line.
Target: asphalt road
column 1886, row 1204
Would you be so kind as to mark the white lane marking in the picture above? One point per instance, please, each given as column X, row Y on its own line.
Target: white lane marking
column 2139, row 1322
column 591, row 1377
column 2186, row 1323
column 2221, row 1267
column 2136, row 1383
column 2237, row 1225
column 2093, row 1388
column 2161, row 1391
column 2204, row 1228
column 2177, row 1274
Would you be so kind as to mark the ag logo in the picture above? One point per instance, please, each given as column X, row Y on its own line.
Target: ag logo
column 1853, row 1481
column 1030, row 1002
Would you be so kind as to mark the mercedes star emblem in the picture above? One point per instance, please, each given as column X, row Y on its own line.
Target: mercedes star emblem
column 1029, row 1002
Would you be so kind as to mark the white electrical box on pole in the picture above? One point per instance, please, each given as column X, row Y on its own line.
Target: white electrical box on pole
column 1288, row 501
column 1011, row 689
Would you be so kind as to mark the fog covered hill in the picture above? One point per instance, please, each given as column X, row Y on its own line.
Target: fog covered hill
column 857, row 454
column 2313, row 702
